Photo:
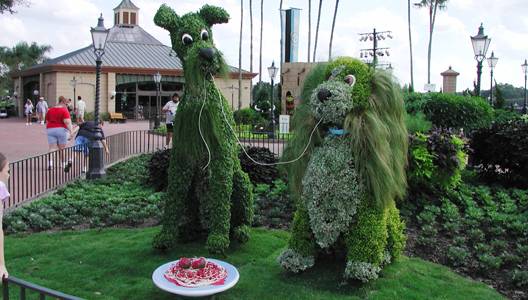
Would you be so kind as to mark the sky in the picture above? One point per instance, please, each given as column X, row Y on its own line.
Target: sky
column 65, row 25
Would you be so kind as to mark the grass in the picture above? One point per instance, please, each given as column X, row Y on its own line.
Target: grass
column 118, row 264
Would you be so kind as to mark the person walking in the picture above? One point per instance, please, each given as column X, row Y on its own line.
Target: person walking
column 170, row 110
column 59, row 129
column 4, row 194
column 28, row 111
column 42, row 109
column 80, row 110
column 85, row 135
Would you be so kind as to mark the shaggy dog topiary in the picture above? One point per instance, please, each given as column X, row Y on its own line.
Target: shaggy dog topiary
column 346, row 184
column 208, row 192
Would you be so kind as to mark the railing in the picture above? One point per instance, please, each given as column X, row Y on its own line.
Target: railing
column 275, row 142
column 34, row 176
column 27, row 286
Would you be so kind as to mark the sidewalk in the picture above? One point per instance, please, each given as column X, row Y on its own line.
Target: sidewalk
column 18, row 141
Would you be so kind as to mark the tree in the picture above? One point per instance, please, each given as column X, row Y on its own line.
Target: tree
column 410, row 43
column 250, row 44
column 240, row 55
column 18, row 58
column 7, row 5
column 309, row 29
column 261, row 25
column 500, row 101
column 317, row 29
column 332, row 32
column 433, row 6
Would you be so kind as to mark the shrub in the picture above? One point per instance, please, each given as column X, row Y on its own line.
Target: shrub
column 273, row 207
column 259, row 173
column 90, row 116
column 247, row 116
column 415, row 102
column 158, row 166
column 417, row 123
column 504, row 116
column 501, row 151
column 457, row 255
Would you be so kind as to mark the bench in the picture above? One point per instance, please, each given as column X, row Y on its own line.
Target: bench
column 117, row 117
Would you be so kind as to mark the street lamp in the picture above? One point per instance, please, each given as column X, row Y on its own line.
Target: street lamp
column 492, row 62
column 73, row 83
column 96, row 163
column 525, row 70
column 480, row 44
column 36, row 93
column 272, row 73
column 157, row 80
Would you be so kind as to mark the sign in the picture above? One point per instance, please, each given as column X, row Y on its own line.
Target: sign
column 284, row 124
column 430, row 87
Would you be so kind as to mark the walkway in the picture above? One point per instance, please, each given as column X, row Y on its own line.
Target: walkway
column 18, row 141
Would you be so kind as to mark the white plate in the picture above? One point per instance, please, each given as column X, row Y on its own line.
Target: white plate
column 161, row 282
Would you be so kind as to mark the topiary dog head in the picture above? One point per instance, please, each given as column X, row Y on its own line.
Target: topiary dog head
column 192, row 39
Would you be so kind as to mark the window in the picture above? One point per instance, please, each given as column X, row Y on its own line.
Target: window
column 133, row 18
column 116, row 18
column 125, row 18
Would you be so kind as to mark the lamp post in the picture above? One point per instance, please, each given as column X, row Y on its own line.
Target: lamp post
column 492, row 62
column 36, row 93
column 96, row 163
column 480, row 44
column 525, row 70
column 272, row 73
column 73, row 83
column 157, row 80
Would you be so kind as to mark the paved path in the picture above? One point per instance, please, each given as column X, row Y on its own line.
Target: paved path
column 18, row 141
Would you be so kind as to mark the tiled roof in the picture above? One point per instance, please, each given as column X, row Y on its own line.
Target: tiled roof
column 128, row 47
column 126, row 4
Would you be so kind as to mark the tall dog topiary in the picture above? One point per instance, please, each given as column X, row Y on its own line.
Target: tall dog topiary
column 208, row 193
column 353, row 170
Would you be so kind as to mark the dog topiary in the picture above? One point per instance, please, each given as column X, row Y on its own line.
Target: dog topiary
column 208, row 192
column 353, row 170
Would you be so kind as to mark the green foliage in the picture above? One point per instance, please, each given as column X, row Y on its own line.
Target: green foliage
column 247, row 116
column 273, row 207
column 507, row 163
column 396, row 233
column 453, row 111
column 109, row 202
column 89, row 116
column 457, row 255
column 421, row 167
column 157, row 167
column 504, row 115
column 259, row 173
column 415, row 102
column 302, row 241
column 499, row 100
column 417, row 123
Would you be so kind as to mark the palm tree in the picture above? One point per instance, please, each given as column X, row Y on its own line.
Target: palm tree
column 23, row 55
column 240, row 55
column 433, row 6
column 281, row 34
column 317, row 29
column 261, row 25
column 332, row 32
column 251, row 48
column 410, row 43
column 309, row 28
column 7, row 5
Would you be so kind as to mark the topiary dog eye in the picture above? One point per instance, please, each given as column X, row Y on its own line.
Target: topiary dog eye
column 204, row 35
column 187, row 39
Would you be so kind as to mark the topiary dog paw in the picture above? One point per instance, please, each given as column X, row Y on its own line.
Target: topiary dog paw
column 241, row 233
column 163, row 241
column 294, row 262
column 217, row 243
column 362, row 271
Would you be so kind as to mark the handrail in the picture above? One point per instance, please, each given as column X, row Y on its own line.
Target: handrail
column 43, row 292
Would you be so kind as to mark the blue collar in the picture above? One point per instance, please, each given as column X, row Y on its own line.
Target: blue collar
column 337, row 131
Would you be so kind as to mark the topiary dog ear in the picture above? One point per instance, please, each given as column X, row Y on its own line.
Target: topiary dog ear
column 166, row 18
column 213, row 15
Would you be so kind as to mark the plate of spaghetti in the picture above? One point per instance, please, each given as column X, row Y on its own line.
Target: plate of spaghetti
column 195, row 277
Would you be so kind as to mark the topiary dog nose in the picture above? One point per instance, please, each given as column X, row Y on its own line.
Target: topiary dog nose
column 207, row 53
column 323, row 95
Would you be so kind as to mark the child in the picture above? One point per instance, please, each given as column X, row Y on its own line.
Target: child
column 28, row 110
column 4, row 194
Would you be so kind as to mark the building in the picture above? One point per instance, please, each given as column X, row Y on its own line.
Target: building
column 449, row 80
column 132, row 57
column 292, row 80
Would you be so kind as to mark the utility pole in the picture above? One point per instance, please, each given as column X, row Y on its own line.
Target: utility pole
column 375, row 51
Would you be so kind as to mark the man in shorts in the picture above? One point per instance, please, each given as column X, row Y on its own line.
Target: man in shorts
column 80, row 110
column 170, row 110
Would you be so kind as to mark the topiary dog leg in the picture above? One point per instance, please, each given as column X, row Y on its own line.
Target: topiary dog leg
column 176, row 211
column 241, row 204
column 366, row 243
column 301, row 252
column 217, row 203
column 396, row 230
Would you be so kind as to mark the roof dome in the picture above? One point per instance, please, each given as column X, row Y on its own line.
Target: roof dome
column 126, row 4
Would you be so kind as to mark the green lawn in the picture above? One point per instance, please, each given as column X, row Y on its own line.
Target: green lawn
column 118, row 264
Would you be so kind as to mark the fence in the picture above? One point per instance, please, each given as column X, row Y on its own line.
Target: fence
column 34, row 176
column 27, row 286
